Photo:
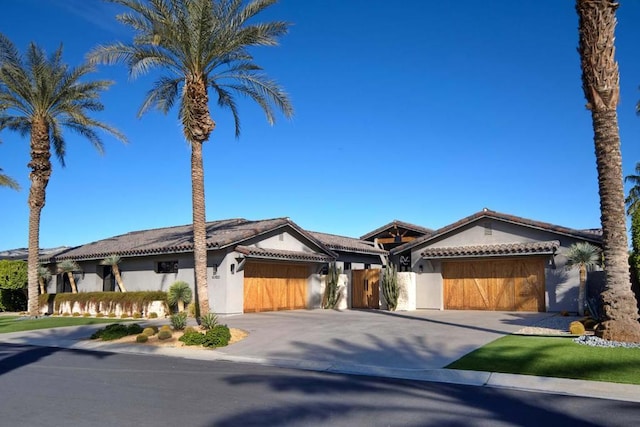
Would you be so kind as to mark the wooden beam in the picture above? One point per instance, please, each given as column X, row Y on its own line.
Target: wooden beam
column 403, row 239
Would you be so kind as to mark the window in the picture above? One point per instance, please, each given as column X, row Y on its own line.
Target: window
column 367, row 266
column 347, row 266
column 167, row 267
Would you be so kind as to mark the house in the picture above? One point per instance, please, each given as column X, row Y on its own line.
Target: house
column 252, row 266
column 494, row 261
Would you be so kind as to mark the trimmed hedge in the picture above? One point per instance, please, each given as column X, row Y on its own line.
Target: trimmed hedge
column 109, row 300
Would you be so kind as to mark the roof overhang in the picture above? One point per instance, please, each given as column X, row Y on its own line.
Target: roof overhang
column 495, row 250
column 255, row 253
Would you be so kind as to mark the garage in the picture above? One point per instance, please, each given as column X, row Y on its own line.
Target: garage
column 497, row 284
column 275, row 286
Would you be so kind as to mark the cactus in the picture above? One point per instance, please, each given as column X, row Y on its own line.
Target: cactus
column 331, row 293
column 390, row 289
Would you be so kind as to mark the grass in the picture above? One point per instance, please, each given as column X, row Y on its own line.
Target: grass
column 19, row 323
column 554, row 357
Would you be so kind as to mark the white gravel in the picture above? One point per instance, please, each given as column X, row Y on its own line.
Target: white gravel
column 554, row 325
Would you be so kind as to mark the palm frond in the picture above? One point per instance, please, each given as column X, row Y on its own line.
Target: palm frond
column 7, row 181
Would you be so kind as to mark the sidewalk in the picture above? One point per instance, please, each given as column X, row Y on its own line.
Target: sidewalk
column 75, row 338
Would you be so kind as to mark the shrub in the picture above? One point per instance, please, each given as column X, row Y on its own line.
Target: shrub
column 137, row 315
column 99, row 315
column 116, row 331
column 209, row 321
column 589, row 323
column 191, row 309
column 66, row 313
column 219, row 336
column 124, row 316
column 86, row 314
column 148, row 332
column 179, row 321
column 189, row 329
column 111, row 314
column 193, row 338
column 179, row 294
column 142, row 338
column 76, row 314
column 153, row 315
column 164, row 335
column 165, row 328
column 576, row 328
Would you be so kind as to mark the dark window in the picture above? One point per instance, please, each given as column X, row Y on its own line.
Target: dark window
column 63, row 284
column 108, row 279
column 325, row 269
column 167, row 267
column 367, row 266
column 347, row 266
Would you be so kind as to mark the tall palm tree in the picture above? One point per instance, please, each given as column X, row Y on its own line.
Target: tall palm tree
column 44, row 275
column 113, row 261
column 633, row 198
column 601, row 86
column 7, row 181
column 584, row 256
column 39, row 96
column 201, row 45
column 69, row 267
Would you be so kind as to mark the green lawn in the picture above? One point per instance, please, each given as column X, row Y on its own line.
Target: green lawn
column 18, row 323
column 554, row 357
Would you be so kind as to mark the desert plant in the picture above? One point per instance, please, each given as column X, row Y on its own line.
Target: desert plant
column 585, row 256
column 589, row 323
column 66, row 313
column 44, row 275
column 124, row 316
column 576, row 328
column 111, row 315
column 116, row 331
column 153, row 315
column 164, row 335
column 149, row 332
column 86, row 314
column 142, row 338
column 165, row 328
column 189, row 329
column 99, row 315
column 219, row 336
column 390, row 288
column 76, row 314
column 331, row 292
column 193, row 338
column 137, row 315
column 179, row 294
column 179, row 321
column 208, row 321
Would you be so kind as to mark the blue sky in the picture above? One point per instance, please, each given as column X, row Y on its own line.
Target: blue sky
column 422, row 111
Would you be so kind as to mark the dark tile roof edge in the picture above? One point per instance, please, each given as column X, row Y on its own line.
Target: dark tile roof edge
column 365, row 247
column 590, row 235
column 280, row 255
column 398, row 223
column 500, row 249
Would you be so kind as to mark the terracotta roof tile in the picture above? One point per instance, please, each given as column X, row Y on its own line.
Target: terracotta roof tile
column 530, row 248
column 262, row 253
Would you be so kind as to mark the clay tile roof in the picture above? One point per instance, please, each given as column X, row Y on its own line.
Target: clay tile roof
column 397, row 223
column 592, row 235
column 261, row 253
column 347, row 244
column 530, row 248
column 220, row 234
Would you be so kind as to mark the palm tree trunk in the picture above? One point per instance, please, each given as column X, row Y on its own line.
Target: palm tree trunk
column 582, row 289
column 72, row 282
column 40, row 172
column 600, row 82
column 116, row 273
column 197, row 128
column 42, row 288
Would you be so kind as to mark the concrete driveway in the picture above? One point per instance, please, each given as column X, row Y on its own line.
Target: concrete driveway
column 425, row 339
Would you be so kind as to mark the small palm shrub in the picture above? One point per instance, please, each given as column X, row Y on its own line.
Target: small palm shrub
column 179, row 294
column 219, row 336
column 193, row 338
column 576, row 328
column 142, row 338
column 153, row 315
column 209, row 321
column 164, row 335
column 149, row 332
column 179, row 321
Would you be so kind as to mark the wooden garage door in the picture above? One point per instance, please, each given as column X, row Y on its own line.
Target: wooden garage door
column 271, row 286
column 502, row 285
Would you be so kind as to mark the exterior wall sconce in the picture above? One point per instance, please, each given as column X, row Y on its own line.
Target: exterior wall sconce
column 420, row 268
column 233, row 268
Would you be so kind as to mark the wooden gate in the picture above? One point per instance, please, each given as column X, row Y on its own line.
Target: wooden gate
column 503, row 285
column 272, row 286
column 365, row 288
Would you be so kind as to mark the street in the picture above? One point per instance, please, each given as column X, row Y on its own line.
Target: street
column 44, row 386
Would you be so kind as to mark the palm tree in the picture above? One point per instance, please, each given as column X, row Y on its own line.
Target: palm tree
column 179, row 294
column 584, row 256
column 7, row 181
column 69, row 267
column 601, row 86
column 113, row 261
column 633, row 199
column 200, row 44
column 44, row 275
column 40, row 96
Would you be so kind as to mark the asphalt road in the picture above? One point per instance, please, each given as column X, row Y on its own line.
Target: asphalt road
column 43, row 386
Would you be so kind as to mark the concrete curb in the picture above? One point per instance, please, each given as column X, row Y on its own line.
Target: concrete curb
column 563, row 386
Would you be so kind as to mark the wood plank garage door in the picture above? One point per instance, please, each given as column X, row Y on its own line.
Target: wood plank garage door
column 274, row 286
column 502, row 285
